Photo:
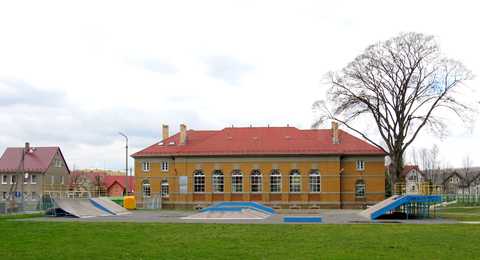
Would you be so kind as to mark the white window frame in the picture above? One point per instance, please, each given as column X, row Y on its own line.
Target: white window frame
column 4, row 179
column 4, row 195
column 256, row 184
column 360, row 165
column 218, row 182
column 164, row 166
column 146, row 189
column 33, row 179
column 13, row 176
column 146, row 166
column 315, row 182
column 58, row 163
column 62, row 180
column 198, row 182
column 295, row 182
column 164, row 188
column 275, row 181
column 237, row 181
column 357, row 185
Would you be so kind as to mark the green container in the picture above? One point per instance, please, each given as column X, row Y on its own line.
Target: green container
column 118, row 200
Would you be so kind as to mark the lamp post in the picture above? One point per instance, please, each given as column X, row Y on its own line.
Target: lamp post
column 126, row 161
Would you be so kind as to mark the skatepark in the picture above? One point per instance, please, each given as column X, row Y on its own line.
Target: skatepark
column 416, row 209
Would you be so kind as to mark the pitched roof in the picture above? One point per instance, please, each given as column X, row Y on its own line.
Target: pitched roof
column 109, row 180
column 409, row 168
column 38, row 159
column 260, row 141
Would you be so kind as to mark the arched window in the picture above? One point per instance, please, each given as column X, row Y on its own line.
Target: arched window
column 314, row 180
column 275, row 181
column 164, row 188
column 146, row 188
column 295, row 182
column 360, row 189
column 217, row 181
column 237, row 181
column 256, row 181
column 198, row 181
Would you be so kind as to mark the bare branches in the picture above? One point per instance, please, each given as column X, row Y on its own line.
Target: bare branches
column 404, row 83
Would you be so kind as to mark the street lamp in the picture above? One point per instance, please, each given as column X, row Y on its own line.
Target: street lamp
column 126, row 161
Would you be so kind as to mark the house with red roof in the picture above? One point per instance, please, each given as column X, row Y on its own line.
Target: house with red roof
column 117, row 185
column 32, row 171
column 414, row 178
column 283, row 167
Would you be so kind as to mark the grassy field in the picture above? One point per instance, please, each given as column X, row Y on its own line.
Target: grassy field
column 460, row 213
column 73, row 240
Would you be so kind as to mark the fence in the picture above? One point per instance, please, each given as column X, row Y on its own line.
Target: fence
column 462, row 199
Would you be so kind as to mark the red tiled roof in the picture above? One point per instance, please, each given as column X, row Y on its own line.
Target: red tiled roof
column 37, row 160
column 109, row 180
column 261, row 141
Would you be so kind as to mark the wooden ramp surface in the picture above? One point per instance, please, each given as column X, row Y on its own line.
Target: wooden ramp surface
column 110, row 206
column 80, row 208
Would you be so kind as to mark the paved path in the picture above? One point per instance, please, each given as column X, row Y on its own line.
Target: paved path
column 329, row 216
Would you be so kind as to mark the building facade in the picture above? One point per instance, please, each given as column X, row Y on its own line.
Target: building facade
column 280, row 166
column 31, row 172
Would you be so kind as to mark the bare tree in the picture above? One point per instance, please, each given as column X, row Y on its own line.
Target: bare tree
column 404, row 84
column 467, row 164
column 428, row 161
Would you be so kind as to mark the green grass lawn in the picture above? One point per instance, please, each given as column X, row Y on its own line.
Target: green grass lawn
column 460, row 213
column 81, row 240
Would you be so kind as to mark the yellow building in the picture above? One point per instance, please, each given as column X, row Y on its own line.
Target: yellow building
column 280, row 166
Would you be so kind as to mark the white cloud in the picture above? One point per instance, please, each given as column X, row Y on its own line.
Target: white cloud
column 131, row 66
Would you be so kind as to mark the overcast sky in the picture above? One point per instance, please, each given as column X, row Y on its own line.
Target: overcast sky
column 74, row 74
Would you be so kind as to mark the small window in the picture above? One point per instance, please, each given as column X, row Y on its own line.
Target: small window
column 237, row 181
column 295, row 181
column 4, row 195
column 33, row 179
column 34, row 195
column 164, row 166
column 256, row 181
column 164, row 188
column 25, row 178
column 360, row 189
column 58, row 163
column 146, row 189
column 275, row 181
column 52, row 180
column 62, row 180
column 4, row 179
column 217, row 181
column 360, row 165
column 198, row 181
column 146, row 166
column 13, row 179
column 315, row 181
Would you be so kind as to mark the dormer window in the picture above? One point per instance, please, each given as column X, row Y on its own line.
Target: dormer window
column 171, row 143
column 160, row 143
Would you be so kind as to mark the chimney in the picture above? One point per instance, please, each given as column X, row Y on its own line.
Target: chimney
column 27, row 147
column 335, row 138
column 165, row 133
column 183, row 134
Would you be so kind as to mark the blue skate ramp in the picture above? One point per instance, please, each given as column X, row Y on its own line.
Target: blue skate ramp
column 397, row 201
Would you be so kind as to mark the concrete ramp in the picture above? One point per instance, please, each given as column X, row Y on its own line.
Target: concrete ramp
column 80, row 208
column 108, row 205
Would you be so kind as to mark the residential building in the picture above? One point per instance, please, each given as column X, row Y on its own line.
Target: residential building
column 32, row 171
column 116, row 185
column 414, row 178
column 279, row 166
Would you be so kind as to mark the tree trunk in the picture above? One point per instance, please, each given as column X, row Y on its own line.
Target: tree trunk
column 396, row 168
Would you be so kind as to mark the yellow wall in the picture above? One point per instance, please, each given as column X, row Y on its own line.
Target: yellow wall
column 338, row 178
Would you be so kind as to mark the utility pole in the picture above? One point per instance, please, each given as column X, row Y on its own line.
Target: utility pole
column 126, row 161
